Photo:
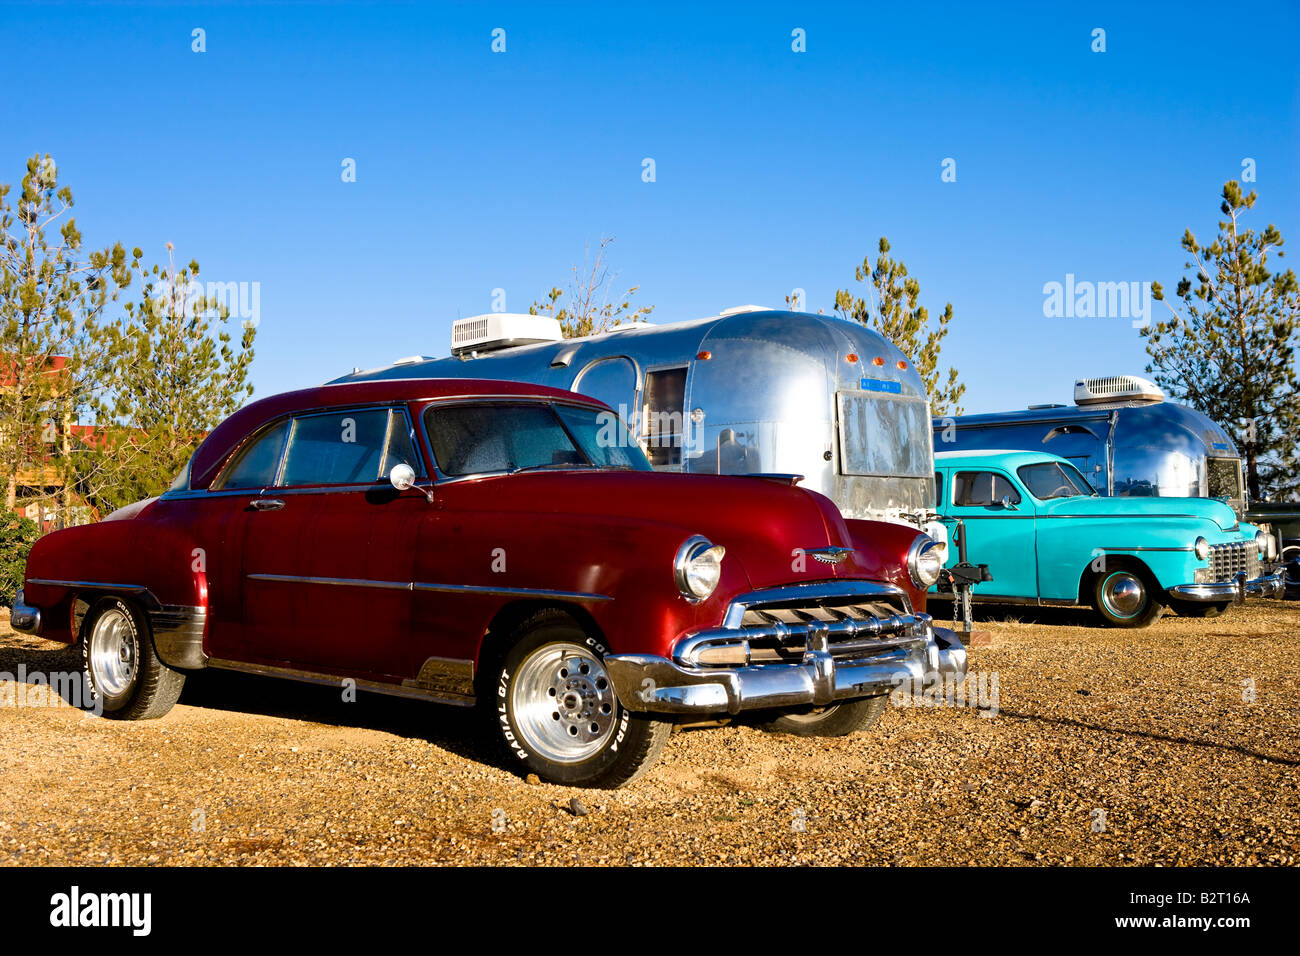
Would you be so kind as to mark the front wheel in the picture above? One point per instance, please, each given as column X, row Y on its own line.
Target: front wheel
column 839, row 720
column 1125, row 599
column 125, row 678
column 557, row 712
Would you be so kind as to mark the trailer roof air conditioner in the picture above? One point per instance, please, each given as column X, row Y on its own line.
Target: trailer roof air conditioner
column 502, row 330
column 1116, row 388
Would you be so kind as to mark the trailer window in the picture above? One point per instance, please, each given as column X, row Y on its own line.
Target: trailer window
column 885, row 435
column 1224, row 477
column 662, row 412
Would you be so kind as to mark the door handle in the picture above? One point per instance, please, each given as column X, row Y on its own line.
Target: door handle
column 267, row 504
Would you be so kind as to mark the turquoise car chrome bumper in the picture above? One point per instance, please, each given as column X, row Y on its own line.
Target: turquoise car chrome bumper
column 1270, row 585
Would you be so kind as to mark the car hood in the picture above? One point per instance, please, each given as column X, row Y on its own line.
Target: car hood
column 759, row 521
column 1207, row 509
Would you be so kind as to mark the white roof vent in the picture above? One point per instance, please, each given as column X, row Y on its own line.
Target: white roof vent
column 740, row 309
column 1116, row 388
column 502, row 330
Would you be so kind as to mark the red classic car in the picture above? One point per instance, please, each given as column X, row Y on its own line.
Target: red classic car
column 501, row 544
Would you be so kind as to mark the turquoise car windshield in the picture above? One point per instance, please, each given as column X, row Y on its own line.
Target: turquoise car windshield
column 1052, row 479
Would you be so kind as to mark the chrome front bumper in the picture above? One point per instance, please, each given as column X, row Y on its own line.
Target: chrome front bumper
column 1271, row 585
column 646, row 682
column 23, row 617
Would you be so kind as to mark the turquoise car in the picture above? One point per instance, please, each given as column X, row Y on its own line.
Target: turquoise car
column 1048, row 538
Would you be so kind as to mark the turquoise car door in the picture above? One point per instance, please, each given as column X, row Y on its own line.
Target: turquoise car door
column 1003, row 536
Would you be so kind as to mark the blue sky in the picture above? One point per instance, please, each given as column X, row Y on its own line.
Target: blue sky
column 775, row 170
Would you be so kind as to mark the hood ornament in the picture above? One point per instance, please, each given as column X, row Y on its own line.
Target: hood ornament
column 828, row 555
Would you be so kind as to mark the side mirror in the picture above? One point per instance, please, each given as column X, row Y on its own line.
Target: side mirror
column 402, row 477
column 1007, row 503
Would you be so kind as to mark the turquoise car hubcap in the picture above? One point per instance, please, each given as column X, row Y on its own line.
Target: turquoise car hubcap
column 1123, row 594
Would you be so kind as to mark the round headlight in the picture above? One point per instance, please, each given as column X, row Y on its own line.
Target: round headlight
column 1261, row 543
column 698, row 567
column 1202, row 548
column 924, row 561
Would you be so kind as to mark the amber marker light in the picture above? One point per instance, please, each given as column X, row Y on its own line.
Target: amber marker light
column 902, row 364
column 704, row 356
column 850, row 357
column 877, row 361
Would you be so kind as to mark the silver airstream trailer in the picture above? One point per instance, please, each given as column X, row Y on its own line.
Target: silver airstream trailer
column 1122, row 434
column 749, row 391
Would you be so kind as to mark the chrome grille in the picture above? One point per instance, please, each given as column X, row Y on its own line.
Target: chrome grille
column 1227, row 560
column 779, row 630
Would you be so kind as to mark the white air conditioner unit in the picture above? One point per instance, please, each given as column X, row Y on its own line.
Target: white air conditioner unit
column 1116, row 388
column 502, row 330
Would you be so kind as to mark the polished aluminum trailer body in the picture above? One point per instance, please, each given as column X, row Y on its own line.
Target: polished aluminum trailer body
column 751, row 391
column 1125, row 448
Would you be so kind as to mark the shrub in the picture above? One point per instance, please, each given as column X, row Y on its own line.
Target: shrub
column 17, row 535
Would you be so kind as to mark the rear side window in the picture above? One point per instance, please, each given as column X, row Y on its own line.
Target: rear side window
column 257, row 464
column 337, row 448
column 981, row 489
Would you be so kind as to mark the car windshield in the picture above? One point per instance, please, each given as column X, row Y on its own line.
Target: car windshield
column 1052, row 479
column 481, row 438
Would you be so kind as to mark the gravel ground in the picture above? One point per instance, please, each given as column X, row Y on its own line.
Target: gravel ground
column 1106, row 747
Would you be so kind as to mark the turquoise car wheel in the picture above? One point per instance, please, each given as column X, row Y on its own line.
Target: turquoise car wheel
column 1123, row 597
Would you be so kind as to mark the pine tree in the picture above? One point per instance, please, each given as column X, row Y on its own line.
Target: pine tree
column 896, row 314
column 52, row 351
column 178, row 373
column 1230, row 350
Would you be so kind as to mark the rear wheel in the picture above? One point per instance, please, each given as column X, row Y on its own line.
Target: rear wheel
column 1200, row 608
column 557, row 712
column 839, row 720
column 125, row 678
column 1125, row 598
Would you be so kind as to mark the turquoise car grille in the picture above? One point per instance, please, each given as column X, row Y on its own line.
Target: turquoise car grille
column 1228, row 559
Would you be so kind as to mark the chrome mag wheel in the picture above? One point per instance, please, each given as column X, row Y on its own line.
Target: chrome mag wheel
column 564, row 703
column 113, row 652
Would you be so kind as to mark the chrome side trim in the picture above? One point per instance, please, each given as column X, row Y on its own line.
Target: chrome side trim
column 89, row 585
column 428, row 586
column 1147, row 549
column 336, row 680
column 338, row 582
column 511, row 592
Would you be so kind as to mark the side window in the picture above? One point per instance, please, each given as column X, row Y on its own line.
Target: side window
column 938, row 489
column 257, row 464
column 337, row 448
column 981, row 489
column 664, row 402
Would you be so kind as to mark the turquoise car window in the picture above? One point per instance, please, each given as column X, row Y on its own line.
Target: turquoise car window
column 982, row 489
column 1049, row 479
